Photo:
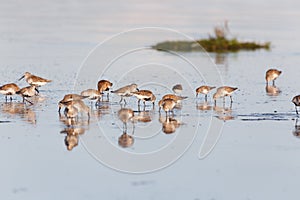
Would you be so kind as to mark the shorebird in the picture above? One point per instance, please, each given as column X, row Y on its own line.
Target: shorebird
column 71, row 111
column 272, row 75
column 296, row 101
column 145, row 95
column 91, row 94
column 167, row 105
column 176, row 98
column 223, row 92
column 34, row 80
column 126, row 91
column 69, row 97
column 125, row 115
column 9, row 90
column 177, row 89
column 104, row 85
column 204, row 89
column 77, row 104
column 28, row 91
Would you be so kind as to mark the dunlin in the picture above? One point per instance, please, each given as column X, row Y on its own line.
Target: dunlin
column 125, row 115
column 223, row 92
column 205, row 89
column 126, row 91
column 104, row 85
column 272, row 75
column 71, row 111
column 167, row 105
column 296, row 101
column 9, row 90
column 177, row 89
column 27, row 92
column 176, row 98
column 145, row 95
column 34, row 80
column 91, row 94
column 69, row 97
column 79, row 105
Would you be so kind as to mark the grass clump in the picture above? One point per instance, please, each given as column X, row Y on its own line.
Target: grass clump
column 218, row 43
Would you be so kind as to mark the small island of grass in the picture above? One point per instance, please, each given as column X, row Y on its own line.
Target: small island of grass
column 219, row 43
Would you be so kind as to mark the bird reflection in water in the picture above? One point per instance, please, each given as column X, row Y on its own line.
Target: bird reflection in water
column 125, row 140
column 143, row 116
column 224, row 113
column 272, row 90
column 204, row 106
column 169, row 124
column 73, row 129
column 102, row 108
column 126, row 115
column 72, row 137
column 296, row 131
column 19, row 109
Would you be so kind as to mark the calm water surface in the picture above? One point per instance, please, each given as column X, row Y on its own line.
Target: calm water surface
column 257, row 154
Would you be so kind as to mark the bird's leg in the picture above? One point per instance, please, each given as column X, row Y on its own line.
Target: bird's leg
column 206, row 98
column 296, row 110
column 10, row 98
column 139, row 101
column 196, row 94
column 133, row 128
column 139, row 108
column 153, row 105
column 273, row 82
column 231, row 99
column 215, row 102
column 5, row 98
column 121, row 100
column 125, row 127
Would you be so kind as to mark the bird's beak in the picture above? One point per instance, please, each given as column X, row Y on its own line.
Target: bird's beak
column 36, row 90
column 137, row 89
column 21, row 77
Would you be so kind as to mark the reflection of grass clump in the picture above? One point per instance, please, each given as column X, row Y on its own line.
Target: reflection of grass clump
column 218, row 43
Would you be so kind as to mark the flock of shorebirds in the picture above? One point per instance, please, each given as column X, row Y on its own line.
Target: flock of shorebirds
column 73, row 103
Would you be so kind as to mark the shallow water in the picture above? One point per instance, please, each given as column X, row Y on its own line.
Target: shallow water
column 256, row 156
